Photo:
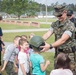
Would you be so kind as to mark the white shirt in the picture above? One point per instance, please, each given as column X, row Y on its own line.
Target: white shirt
column 23, row 59
column 61, row 72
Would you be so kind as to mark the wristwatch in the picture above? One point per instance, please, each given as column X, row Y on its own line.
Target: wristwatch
column 51, row 46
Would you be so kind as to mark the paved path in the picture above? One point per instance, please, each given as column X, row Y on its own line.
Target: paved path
column 25, row 30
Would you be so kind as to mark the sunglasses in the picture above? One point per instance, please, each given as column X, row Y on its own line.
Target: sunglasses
column 59, row 15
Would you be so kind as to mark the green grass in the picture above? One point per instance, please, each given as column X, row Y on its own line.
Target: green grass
column 47, row 56
column 12, row 26
column 8, row 37
column 38, row 19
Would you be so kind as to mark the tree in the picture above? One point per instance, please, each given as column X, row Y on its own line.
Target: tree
column 33, row 7
column 19, row 7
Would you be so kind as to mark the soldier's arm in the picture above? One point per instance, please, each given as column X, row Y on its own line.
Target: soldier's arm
column 61, row 40
column 65, row 36
column 48, row 34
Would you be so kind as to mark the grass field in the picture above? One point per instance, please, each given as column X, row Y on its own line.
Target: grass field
column 37, row 19
column 8, row 37
column 47, row 56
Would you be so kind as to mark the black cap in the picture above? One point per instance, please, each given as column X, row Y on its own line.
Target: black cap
column 70, row 12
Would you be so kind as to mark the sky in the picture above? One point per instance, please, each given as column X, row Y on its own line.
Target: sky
column 54, row 1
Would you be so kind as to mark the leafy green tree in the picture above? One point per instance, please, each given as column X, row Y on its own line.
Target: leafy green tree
column 33, row 7
column 19, row 7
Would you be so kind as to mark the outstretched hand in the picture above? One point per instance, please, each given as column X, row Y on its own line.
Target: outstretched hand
column 45, row 47
column 2, row 69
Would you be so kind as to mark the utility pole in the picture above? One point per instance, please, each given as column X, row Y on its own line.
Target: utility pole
column 46, row 11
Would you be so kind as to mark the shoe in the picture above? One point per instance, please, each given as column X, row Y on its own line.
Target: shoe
column 0, row 74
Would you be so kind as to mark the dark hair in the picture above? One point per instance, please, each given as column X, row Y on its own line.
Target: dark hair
column 69, row 12
column 63, row 61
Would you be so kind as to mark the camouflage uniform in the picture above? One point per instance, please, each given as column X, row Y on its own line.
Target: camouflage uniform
column 9, row 69
column 69, row 46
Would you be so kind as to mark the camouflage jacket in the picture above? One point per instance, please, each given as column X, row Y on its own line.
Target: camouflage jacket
column 59, row 29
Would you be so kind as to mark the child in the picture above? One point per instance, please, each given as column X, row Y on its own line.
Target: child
column 28, row 51
column 1, row 45
column 31, row 35
column 23, row 58
column 62, row 65
column 24, row 36
column 36, row 60
column 9, row 57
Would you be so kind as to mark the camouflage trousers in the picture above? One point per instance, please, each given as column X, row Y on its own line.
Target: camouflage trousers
column 73, row 62
column 10, row 69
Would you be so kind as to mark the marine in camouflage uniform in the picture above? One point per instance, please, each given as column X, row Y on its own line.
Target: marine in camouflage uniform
column 64, row 31
column 69, row 46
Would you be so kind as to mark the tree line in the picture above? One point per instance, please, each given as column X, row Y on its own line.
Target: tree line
column 29, row 7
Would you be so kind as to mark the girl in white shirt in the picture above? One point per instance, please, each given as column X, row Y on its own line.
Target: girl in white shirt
column 62, row 65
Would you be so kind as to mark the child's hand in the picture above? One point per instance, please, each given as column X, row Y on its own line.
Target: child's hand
column 2, row 69
column 47, row 62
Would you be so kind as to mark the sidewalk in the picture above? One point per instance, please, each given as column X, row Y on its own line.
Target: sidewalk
column 25, row 30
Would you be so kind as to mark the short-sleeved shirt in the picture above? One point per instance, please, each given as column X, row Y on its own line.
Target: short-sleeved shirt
column 66, row 27
column 10, row 53
column 23, row 59
column 36, row 60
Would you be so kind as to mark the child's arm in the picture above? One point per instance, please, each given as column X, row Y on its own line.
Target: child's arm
column 43, row 67
column 22, row 68
column 30, row 64
column 4, row 65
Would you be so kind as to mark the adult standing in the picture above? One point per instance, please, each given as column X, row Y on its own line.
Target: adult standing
column 70, row 15
column 1, row 43
column 64, row 31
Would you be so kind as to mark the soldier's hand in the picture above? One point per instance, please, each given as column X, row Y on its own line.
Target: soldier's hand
column 45, row 48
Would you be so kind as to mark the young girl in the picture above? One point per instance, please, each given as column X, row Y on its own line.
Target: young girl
column 37, row 61
column 23, row 58
column 62, row 65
